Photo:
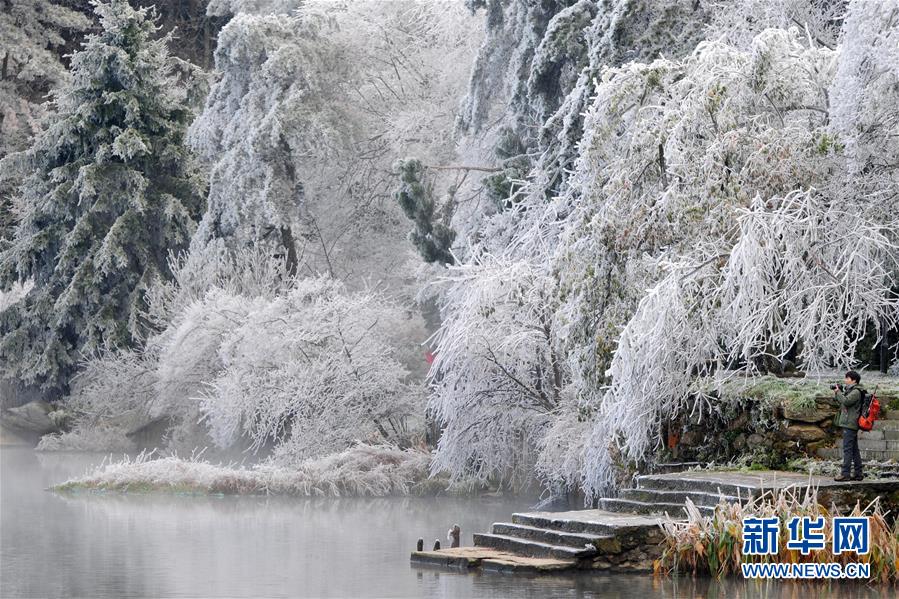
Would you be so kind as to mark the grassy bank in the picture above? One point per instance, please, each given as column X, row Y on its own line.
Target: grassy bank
column 363, row 470
column 803, row 392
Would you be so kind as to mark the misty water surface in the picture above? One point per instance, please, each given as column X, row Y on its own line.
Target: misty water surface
column 112, row 545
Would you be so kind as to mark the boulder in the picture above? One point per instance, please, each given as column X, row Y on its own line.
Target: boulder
column 805, row 432
column 32, row 419
column 821, row 411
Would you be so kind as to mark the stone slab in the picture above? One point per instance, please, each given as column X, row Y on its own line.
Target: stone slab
column 764, row 480
column 602, row 517
column 465, row 558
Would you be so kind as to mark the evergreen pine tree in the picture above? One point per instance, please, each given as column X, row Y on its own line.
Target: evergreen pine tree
column 30, row 34
column 431, row 237
column 109, row 190
column 30, row 38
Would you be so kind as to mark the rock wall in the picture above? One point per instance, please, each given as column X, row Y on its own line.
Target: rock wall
column 760, row 433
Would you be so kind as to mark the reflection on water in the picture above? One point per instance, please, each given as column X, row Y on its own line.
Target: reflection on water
column 114, row 545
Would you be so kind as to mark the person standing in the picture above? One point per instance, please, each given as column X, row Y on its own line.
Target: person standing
column 849, row 396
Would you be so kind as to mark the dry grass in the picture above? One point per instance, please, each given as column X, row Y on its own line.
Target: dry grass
column 713, row 544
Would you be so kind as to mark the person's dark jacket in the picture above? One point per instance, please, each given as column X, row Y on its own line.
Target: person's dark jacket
column 850, row 400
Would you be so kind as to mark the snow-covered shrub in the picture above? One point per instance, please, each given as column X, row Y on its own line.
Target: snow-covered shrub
column 110, row 397
column 189, row 356
column 95, row 437
column 246, row 355
column 310, row 371
column 247, row 271
column 112, row 383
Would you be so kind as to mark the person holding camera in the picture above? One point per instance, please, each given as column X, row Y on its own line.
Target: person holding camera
column 849, row 396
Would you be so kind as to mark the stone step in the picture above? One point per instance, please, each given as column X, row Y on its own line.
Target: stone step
column 485, row 558
column 883, row 456
column 686, row 483
column 545, row 535
column 593, row 522
column 629, row 506
column 879, row 435
column 878, row 445
column 679, row 497
column 531, row 548
column 886, row 424
column 835, row 453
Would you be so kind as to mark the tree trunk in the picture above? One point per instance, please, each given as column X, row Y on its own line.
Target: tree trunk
column 290, row 251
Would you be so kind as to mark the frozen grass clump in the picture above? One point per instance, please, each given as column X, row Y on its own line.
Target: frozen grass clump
column 362, row 470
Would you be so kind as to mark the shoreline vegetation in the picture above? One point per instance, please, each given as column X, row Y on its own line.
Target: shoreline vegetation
column 711, row 545
column 366, row 469
column 361, row 471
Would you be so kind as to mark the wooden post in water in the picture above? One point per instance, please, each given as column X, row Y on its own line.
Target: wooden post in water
column 454, row 534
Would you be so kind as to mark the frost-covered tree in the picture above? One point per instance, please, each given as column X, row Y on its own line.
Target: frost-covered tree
column 534, row 76
column 496, row 377
column 109, row 191
column 268, row 110
column 431, row 236
column 538, row 67
column 738, row 23
column 862, row 94
column 727, row 184
column 314, row 103
column 313, row 107
column 795, row 257
column 312, row 371
column 304, row 368
column 31, row 33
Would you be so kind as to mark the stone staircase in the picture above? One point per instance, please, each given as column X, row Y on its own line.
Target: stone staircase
column 622, row 534
column 880, row 444
column 586, row 539
column 540, row 540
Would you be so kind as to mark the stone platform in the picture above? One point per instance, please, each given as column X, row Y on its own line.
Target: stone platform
column 624, row 533
column 485, row 558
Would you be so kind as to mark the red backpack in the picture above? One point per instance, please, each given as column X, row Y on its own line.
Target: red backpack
column 870, row 410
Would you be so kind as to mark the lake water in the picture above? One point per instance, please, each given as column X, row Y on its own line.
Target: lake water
column 112, row 545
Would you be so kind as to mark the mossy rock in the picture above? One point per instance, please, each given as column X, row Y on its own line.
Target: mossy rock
column 822, row 410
